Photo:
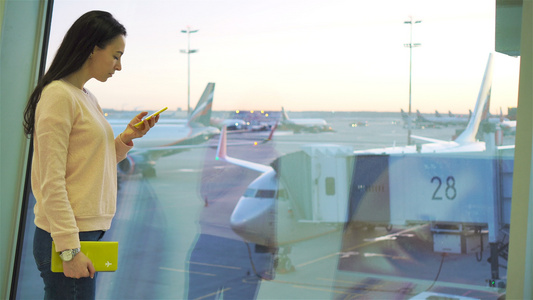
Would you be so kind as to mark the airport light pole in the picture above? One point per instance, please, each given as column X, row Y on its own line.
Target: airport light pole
column 188, row 51
column 410, row 46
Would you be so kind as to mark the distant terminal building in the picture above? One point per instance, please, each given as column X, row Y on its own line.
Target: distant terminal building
column 257, row 118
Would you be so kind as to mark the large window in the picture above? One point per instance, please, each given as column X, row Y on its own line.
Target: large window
column 391, row 154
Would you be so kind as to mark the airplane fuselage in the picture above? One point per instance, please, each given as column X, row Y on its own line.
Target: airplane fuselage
column 264, row 215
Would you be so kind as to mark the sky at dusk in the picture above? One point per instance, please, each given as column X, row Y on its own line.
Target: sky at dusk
column 304, row 55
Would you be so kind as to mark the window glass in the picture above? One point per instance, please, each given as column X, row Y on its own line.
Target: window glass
column 330, row 186
column 265, row 193
column 282, row 194
column 250, row 192
column 402, row 108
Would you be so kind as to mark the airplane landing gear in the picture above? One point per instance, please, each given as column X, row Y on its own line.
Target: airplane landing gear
column 283, row 263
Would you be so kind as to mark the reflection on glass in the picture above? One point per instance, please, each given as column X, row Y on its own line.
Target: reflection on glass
column 334, row 204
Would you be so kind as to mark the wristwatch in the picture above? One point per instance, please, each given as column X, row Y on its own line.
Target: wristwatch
column 68, row 255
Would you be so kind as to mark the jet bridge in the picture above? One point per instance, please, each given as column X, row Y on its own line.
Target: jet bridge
column 465, row 197
column 317, row 180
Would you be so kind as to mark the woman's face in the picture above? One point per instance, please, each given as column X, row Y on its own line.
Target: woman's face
column 105, row 61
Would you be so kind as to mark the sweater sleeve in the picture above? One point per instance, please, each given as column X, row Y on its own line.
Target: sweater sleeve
column 54, row 119
column 121, row 149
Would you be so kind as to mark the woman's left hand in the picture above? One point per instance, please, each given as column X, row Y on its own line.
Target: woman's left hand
column 131, row 132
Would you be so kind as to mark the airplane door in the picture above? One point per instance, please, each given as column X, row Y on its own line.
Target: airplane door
column 330, row 192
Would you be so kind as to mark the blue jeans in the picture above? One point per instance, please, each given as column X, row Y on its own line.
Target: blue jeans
column 57, row 285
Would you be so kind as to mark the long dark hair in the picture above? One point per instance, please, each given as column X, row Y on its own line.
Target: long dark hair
column 94, row 28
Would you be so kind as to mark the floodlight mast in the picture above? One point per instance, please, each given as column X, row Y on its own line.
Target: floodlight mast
column 188, row 51
column 410, row 46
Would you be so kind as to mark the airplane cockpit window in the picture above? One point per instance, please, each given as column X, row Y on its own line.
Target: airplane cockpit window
column 250, row 193
column 395, row 145
column 265, row 194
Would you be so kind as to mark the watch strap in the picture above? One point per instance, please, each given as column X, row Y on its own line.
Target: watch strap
column 68, row 255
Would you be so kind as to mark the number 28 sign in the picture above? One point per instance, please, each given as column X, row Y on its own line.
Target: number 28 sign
column 441, row 187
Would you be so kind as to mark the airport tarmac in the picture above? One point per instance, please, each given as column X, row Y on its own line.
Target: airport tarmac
column 175, row 241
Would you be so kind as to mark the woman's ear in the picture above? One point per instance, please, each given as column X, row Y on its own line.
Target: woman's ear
column 96, row 48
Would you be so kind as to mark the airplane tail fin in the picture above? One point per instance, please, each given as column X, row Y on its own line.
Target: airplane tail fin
column 202, row 113
column 284, row 116
column 269, row 138
column 221, row 149
column 486, row 110
column 469, row 134
column 419, row 116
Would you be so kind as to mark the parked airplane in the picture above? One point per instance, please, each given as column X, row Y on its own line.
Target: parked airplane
column 269, row 213
column 439, row 119
column 305, row 125
column 465, row 142
column 450, row 114
column 410, row 121
column 231, row 124
column 508, row 126
column 168, row 138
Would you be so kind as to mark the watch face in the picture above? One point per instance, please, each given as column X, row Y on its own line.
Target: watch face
column 66, row 255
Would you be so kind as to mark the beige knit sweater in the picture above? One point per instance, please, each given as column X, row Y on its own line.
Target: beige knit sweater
column 74, row 168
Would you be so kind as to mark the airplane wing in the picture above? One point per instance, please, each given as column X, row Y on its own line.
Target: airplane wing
column 170, row 137
column 222, row 155
column 506, row 147
column 431, row 140
column 157, row 152
column 170, row 148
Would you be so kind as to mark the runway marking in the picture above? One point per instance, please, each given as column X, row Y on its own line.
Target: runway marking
column 185, row 271
column 212, row 294
column 334, row 280
column 345, row 290
column 402, row 280
column 321, row 289
column 212, row 265
column 366, row 254
column 189, row 170
column 392, row 237
column 348, row 254
column 359, row 246
column 421, row 283
column 318, row 259
column 369, row 254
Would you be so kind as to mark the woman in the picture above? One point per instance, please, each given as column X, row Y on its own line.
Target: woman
column 74, row 177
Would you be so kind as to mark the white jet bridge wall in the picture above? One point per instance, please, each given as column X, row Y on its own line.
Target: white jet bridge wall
column 330, row 172
column 449, row 188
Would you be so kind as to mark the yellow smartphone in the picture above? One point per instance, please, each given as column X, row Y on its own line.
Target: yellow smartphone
column 150, row 116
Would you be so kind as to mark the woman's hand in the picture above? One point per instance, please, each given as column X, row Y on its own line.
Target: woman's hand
column 131, row 132
column 80, row 266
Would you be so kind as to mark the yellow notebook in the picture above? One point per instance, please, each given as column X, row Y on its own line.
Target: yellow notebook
column 104, row 256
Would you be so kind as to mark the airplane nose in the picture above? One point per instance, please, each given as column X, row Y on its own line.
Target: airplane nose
column 239, row 226
column 254, row 220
